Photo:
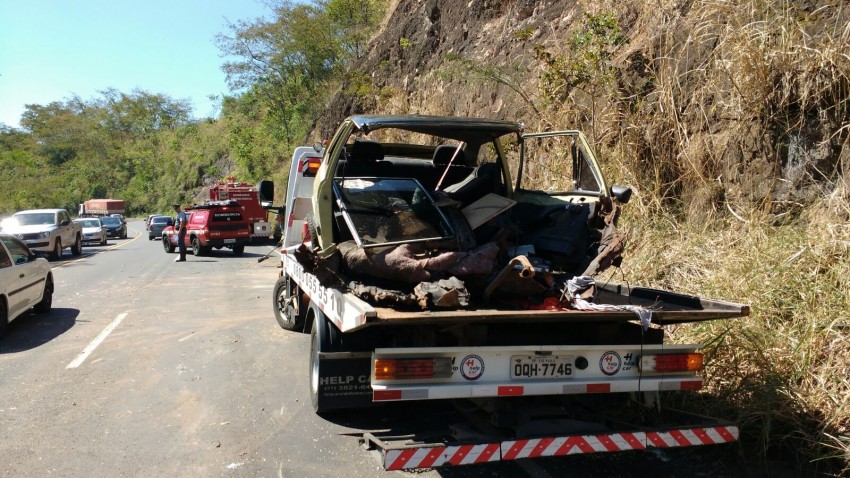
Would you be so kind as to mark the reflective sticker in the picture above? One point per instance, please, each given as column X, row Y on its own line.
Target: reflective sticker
column 472, row 367
column 610, row 362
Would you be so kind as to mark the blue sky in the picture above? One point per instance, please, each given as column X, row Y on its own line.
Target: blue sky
column 51, row 50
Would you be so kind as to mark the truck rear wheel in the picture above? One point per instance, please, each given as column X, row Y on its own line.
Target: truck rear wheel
column 287, row 306
column 167, row 245
column 77, row 248
column 319, row 343
column 238, row 250
column 197, row 250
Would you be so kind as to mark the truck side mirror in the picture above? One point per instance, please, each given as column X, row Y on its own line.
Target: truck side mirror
column 64, row 222
column 266, row 190
column 622, row 193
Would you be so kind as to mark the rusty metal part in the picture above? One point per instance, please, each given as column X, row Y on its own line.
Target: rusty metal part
column 519, row 266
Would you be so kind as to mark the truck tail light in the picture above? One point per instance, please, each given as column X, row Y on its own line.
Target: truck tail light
column 404, row 369
column 665, row 363
column 311, row 166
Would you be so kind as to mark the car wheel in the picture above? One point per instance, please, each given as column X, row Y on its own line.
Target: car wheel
column 167, row 245
column 103, row 241
column 287, row 305
column 77, row 248
column 47, row 298
column 57, row 249
column 238, row 250
column 196, row 247
column 4, row 317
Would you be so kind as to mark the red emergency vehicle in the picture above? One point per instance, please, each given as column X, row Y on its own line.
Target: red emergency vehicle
column 248, row 197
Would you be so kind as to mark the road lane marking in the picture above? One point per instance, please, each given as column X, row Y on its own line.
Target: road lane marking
column 85, row 256
column 94, row 343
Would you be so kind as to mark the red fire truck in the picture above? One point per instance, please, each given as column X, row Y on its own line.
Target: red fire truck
column 250, row 199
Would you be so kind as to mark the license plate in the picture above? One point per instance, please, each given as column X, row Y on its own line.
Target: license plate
column 541, row 366
column 229, row 241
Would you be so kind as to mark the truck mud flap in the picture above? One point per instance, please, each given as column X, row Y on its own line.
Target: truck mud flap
column 410, row 452
column 345, row 380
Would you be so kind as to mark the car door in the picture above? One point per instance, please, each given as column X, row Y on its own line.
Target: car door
column 9, row 283
column 66, row 232
column 30, row 278
column 21, row 280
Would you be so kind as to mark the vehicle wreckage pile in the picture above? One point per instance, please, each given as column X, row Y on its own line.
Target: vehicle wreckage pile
column 526, row 257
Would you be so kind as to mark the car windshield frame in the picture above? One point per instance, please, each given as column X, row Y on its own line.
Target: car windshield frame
column 111, row 221
column 35, row 218
column 89, row 222
column 399, row 209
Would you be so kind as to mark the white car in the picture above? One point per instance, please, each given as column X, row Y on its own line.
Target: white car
column 93, row 230
column 25, row 281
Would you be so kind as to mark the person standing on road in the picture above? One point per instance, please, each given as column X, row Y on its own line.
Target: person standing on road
column 180, row 225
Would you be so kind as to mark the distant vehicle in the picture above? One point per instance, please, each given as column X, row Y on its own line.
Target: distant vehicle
column 46, row 230
column 148, row 220
column 157, row 225
column 93, row 230
column 101, row 207
column 25, row 281
column 212, row 226
column 114, row 227
column 254, row 200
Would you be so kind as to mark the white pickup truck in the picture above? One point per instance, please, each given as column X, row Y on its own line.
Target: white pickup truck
column 456, row 258
column 46, row 230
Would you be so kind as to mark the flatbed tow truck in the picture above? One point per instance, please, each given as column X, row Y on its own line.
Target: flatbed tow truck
column 425, row 271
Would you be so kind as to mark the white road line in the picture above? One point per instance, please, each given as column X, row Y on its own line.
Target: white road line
column 94, row 343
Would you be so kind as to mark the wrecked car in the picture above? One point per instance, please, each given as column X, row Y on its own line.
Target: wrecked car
column 442, row 257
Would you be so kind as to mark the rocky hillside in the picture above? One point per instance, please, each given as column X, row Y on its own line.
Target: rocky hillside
column 726, row 105
column 730, row 118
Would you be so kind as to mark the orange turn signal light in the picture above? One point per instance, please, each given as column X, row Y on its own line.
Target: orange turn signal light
column 666, row 363
column 416, row 368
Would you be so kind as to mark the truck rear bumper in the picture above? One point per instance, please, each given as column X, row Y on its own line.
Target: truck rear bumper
column 402, row 453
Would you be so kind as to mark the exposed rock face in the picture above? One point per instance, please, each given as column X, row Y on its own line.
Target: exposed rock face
column 416, row 64
column 681, row 91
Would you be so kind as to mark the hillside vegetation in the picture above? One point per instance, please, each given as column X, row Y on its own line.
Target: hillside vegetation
column 729, row 118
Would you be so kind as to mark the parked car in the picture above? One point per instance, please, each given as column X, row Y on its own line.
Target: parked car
column 115, row 227
column 157, row 225
column 148, row 221
column 93, row 230
column 46, row 230
column 25, row 280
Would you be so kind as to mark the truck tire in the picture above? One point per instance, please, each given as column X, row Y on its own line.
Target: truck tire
column 287, row 306
column 57, row 249
column 197, row 249
column 47, row 298
column 167, row 245
column 311, row 228
column 238, row 250
column 320, row 341
column 77, row 248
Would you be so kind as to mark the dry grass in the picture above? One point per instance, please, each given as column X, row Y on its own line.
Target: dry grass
column 732, row 124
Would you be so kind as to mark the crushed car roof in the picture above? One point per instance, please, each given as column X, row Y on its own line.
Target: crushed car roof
column 445, row 126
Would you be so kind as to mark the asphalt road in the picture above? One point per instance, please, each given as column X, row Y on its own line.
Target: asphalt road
column 146, row 367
